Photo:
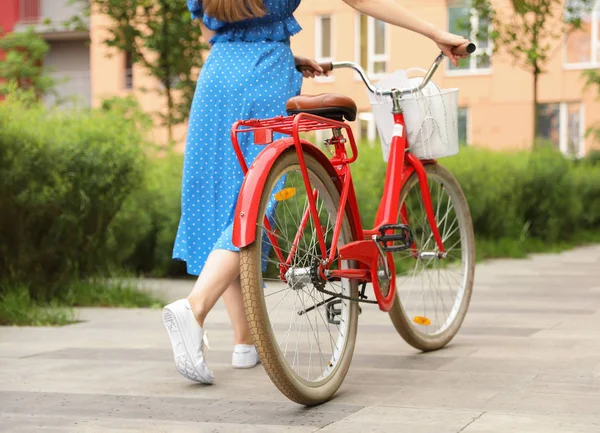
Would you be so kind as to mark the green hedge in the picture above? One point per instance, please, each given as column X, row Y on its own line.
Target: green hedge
column 80, row 196
column 523, row 200
column 63, row 179
column 516, row 195
column 143, row 233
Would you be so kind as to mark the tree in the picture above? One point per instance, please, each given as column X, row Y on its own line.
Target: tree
column 592, row 78
column 23, row 66
column 159, row 35
column 528, row 32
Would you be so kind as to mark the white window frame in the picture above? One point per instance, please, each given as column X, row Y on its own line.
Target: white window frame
column 595, row 47
column 563, row 125
column 473, row 69
column 318, row 45
column 468, row 127
column 563, row 142
column 367, row 116
column 372, row 58
column 320, row 136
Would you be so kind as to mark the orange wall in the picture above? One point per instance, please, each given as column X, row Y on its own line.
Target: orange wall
column 501, row 103
column 108, row 79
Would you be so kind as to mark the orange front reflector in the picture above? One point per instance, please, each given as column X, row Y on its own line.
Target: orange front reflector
column 419, row 320
column 285, row 194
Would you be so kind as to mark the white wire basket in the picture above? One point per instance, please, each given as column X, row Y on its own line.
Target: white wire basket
column 430, row 116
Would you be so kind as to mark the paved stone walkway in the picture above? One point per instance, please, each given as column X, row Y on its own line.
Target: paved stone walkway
column 526, row 360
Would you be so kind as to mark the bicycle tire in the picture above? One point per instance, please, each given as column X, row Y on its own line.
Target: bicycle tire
column 281, row 373
column 414, row 331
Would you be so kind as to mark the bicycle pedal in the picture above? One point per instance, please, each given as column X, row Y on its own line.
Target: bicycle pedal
column 333, row 312
column 400, row 240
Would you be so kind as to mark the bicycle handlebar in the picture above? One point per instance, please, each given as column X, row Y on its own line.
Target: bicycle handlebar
column 465, row 49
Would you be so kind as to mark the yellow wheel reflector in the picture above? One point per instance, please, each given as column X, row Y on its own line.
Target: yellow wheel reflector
column 419, row 320
column 285, row 194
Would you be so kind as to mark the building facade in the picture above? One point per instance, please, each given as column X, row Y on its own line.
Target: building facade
column 68, row 59
column 85, row 69
column 495, row 96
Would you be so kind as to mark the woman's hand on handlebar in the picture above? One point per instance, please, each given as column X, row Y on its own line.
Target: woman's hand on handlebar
column 309, row 68
column 446, row 41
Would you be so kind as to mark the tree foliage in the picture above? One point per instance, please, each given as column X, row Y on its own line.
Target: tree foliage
column 528, row 31
column 161, row 37
column 592, row 78
column 22, row 67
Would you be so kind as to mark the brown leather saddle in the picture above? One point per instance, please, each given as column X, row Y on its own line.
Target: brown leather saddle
column 329, row 105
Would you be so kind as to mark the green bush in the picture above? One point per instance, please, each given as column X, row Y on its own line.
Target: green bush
column 586, row 184
column 538, row 197
column 492, row 183
column 520, row 202
column 143, row 233
column 63, row 178
column 80, row 196
column 551, row 205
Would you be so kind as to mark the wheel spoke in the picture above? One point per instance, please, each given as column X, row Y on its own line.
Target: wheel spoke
column 309, row 343
column 439, row 282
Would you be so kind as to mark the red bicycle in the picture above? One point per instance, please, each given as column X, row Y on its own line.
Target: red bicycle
column 306, row 259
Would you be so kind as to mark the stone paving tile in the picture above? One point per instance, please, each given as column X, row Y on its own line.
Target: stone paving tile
column 498, row 330
column 526, row 360
column 556, row 384
column 415, row 362
column 12, row 423
column 514, row 331
column 532, row 310
column 171, row 409
column 394, row 420
column 524, row 401
column 518, row 366
column 437, row 378
column 501, row 422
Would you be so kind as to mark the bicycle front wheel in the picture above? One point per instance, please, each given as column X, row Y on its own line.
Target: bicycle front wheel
column 433, row 291
column 303, row 328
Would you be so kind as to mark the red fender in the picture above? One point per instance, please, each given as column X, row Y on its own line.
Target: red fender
column 246, row 211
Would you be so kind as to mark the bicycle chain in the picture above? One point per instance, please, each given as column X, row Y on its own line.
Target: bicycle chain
column 349, row 298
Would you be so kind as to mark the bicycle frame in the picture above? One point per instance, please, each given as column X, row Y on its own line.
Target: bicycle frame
column 365, row 249
column 402, row 163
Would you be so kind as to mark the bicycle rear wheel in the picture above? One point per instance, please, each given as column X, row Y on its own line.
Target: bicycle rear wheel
column 305, row 337
column 433, row 293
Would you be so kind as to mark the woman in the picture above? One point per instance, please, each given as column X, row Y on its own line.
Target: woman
column 250, row 73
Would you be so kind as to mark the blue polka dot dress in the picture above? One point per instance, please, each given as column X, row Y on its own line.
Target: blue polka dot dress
column 249, row 74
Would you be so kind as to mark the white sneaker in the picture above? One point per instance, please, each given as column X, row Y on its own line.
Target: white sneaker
column 187, row 338
column 244, row 356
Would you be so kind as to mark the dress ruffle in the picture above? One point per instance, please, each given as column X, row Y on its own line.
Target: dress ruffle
column 276, row 31
column 274, row 27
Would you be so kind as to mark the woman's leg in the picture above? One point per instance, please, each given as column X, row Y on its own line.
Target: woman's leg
column 235, row 308
column 222, row 267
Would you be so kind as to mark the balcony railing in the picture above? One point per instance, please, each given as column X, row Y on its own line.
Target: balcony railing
column 30, row 11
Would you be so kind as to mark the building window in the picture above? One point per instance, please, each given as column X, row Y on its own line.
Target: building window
column 128, row 70
column 320, row 136
column 372, row 45
column 464, row 124
column 323, row 37
column 30, row 11
column 562, row 125
column 368, row 130
column 465, row 21
column 324, row 43
column 582, row 46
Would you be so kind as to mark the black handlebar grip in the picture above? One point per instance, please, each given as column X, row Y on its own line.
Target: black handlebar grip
column 464, row 49
column 327, row 67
